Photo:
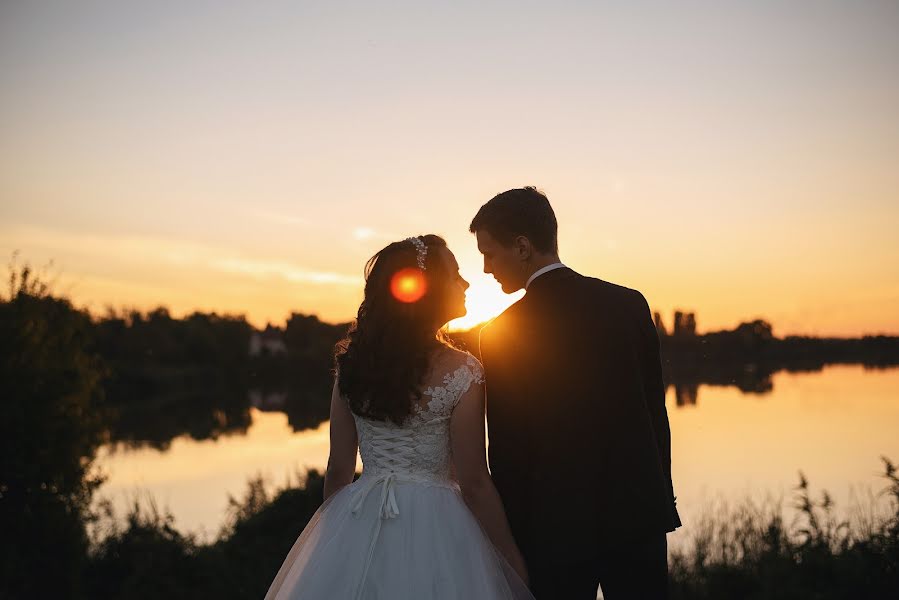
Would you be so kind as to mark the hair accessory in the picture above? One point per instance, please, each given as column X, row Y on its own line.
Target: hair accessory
column 421, row 249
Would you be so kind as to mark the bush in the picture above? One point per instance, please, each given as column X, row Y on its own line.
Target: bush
column 749, row 553
column 51, row 424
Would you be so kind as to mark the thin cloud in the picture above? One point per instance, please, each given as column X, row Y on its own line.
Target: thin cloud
column 363, row 233
column 367, row 233
column 145, row 250
column 281, row 218
column 285, row 270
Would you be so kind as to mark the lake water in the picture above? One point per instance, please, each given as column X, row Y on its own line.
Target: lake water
column 833, row 425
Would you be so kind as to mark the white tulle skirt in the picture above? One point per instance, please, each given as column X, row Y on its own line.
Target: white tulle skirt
column 392, row 541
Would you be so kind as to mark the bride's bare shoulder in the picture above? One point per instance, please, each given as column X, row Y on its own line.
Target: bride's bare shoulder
column 448, row 359
column 457, row 356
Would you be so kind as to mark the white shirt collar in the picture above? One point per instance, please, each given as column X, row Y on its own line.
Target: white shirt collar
column 540, row 272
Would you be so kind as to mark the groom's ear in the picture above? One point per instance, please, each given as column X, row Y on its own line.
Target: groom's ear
column 523, row 247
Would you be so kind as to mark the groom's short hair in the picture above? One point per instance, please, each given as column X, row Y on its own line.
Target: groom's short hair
column 522, row 211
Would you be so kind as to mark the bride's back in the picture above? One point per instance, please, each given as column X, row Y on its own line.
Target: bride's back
column 419, row 448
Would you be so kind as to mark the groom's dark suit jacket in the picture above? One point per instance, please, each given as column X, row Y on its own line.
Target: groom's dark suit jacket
column 580, row 447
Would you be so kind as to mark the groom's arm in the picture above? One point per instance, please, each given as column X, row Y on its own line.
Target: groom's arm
column 503, row 462
column 490, row 356
column 485, row 361
column 508, row 447
column 654, row 386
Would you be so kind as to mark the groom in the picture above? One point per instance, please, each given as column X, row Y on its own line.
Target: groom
column 580, row 447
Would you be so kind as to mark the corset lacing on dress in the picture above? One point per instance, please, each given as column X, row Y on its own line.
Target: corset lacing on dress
column 418, row 451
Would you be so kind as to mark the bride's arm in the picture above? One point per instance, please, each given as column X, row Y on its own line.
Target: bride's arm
column 469, row 458
column 344, row 445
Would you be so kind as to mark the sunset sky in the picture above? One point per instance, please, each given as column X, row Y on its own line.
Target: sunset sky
column 736, row 159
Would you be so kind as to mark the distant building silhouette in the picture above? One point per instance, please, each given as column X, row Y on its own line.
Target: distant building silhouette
column 684, row 324
column 270, row 341
column 267, row 402
column 686, row 394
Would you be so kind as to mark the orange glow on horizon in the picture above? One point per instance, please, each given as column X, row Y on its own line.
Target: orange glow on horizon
column 408, row 285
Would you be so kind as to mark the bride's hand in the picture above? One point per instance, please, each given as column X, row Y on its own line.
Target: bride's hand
column 517, row 563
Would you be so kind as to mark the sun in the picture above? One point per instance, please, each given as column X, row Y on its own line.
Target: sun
column 483, row 300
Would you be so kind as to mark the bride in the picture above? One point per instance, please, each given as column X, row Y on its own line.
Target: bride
column 424, row 519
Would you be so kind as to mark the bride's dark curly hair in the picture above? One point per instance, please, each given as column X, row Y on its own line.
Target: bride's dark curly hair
column 381, row 362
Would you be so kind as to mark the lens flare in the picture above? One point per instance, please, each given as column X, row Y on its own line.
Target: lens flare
column 408, row 285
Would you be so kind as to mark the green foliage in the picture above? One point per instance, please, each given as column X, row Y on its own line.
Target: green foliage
column 144, row 559
column 51, row 423
column 147, row 558
column 749, row 553
column 259, row 532
column 171, row 377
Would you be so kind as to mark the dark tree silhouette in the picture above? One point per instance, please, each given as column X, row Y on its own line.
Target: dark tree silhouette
column 51, row 423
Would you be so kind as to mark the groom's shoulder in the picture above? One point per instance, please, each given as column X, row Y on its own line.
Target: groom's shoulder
column 614, row 291
column 495, row 327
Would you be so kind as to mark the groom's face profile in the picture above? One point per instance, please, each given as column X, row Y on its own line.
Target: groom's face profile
column 504, row 263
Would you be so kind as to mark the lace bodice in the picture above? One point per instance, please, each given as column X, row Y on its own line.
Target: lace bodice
column 416, row 451
column 419, row 449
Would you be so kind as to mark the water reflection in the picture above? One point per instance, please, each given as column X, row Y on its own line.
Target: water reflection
column 195, row 477
column 834, row 425
column 201, row 376
column 686, row 394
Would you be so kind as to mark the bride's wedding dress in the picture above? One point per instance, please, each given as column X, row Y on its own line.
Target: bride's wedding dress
column 402, row 530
